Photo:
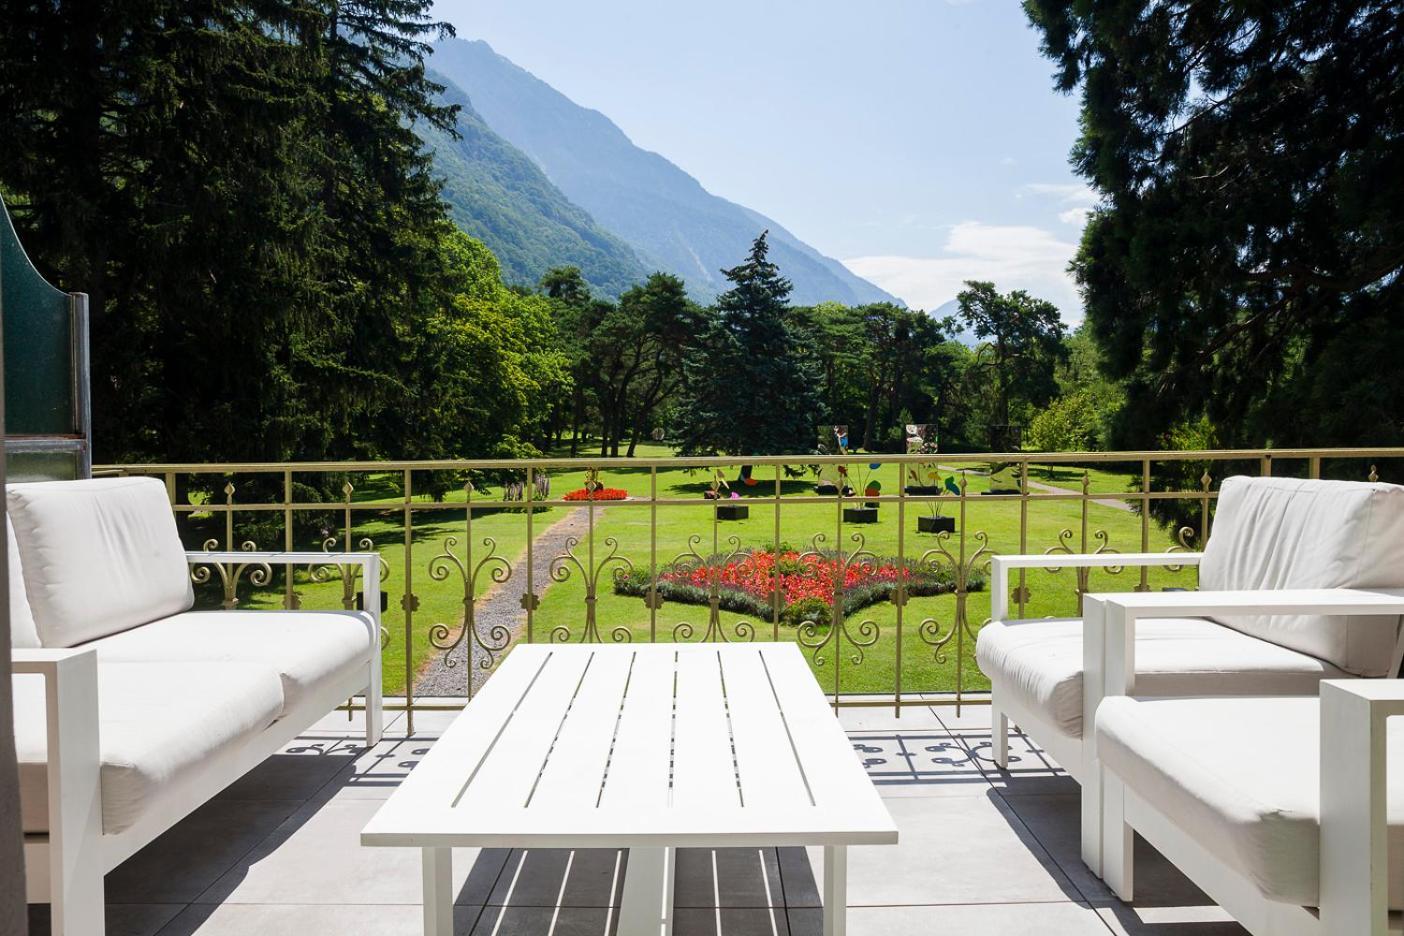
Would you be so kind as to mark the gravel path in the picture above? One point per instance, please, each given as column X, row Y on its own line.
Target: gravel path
column 502, row 604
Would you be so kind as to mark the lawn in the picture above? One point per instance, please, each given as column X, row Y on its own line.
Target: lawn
column 878, row 650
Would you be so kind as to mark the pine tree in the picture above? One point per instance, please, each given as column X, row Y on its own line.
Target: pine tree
column 751, row 387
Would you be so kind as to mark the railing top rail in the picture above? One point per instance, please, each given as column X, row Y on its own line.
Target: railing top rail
column 450, row 464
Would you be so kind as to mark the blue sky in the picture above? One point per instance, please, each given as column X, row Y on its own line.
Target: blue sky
column 919, row 141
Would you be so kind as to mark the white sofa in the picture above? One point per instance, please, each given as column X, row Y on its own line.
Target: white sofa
column 1268, row 534
column 131, row 709
column 1288, row 811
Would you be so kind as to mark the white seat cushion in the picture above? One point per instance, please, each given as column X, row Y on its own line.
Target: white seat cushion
column 22, row 630
column 99, row 556
column 307, row 649
column 161, row 728
column 1242, row 776
column 1039, row 662
column 1272, row 533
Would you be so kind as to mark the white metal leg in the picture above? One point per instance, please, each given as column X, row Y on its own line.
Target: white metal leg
column 999, row 736
column 438, row 892
column 1118, row 841
column 370, row 588
column 646, row 904
column 835, row 890
column 1094, row 614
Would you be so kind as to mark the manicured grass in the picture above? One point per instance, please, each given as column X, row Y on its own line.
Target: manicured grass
column 862, row 657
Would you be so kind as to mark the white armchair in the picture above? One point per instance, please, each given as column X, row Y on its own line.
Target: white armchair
column 1271, row 535
column 1280, row 808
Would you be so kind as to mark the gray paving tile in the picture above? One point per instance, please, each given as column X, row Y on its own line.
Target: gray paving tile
column 1169, row 921
column 966, row 849
column 748, row 921
column 297, row 772
column 727, row 877
column 882, row 718
column 353, row 724
column 316, row 857
column 183, row 862
column 1044, row 919
column 309, row 920
column 538, row 921
column 798, row 877
column 122, row 919
column 537, row 877
column 376, row 773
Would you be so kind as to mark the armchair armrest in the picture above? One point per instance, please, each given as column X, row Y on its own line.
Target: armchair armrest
column 1000, row 567
column 1109, row 631
column 1354, row 853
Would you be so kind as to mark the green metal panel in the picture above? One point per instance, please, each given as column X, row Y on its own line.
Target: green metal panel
column 45, row 382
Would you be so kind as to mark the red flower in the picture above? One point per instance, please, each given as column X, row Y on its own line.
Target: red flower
column 815, row 577
column 598, row 494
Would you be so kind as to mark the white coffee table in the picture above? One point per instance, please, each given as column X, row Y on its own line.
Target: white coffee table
column 650, row 748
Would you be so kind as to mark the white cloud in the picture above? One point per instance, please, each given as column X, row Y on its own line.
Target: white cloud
column 1076, row 216
column 1010, row 256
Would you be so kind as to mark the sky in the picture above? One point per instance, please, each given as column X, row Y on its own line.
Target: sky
column 921, row 142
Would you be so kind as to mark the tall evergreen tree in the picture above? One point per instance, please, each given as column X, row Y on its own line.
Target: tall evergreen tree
column 751, row 387
column 237, row 186
column 1247, row 261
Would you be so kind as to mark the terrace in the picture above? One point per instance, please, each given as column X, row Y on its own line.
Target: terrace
column 507, row 559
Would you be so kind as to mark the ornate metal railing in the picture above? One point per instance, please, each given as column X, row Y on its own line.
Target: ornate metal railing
column 886, row 613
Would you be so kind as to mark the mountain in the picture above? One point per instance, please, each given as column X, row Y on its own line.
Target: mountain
column 498, row 195
column 670, row 220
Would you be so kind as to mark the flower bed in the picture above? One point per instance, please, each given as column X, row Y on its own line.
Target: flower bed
column 599, row 494
column 806, row 582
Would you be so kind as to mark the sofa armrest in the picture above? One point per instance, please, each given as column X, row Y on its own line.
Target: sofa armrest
column 1354, row 854
column 1000, row 567
column 74, row 778
column 369, row 563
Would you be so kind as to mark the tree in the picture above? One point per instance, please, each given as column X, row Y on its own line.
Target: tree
column 239, row 190
column 1023, row 345
column 1245, row 262
column 750, row 387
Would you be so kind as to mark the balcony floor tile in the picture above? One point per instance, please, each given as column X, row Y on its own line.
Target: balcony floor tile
column 982, row 851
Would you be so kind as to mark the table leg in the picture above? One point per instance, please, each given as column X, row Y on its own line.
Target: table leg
column 646, row 903
column 438, row 892
column 835, row 890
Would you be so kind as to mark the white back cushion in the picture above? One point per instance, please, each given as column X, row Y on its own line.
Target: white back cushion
column 99, row 556
column 1274, row 533
column 22, row 631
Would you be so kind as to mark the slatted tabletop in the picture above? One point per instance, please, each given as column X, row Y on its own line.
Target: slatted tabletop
column 640, row 746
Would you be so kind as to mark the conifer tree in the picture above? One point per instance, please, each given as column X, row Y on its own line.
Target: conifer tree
column 751, row 387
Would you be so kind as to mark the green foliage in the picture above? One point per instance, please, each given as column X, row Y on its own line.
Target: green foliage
column 881, row 366
column 1022, row 346
column 750, row 387
column 1067, row 424
column 272, row 274
column 1245, row 263
column 1079, row 419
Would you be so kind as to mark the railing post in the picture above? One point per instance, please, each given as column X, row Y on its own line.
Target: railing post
column 1145, row 521
column 408, row 602
column 289, row 602
column 901, row 584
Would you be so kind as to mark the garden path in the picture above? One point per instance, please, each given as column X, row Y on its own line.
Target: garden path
column 443, row 674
